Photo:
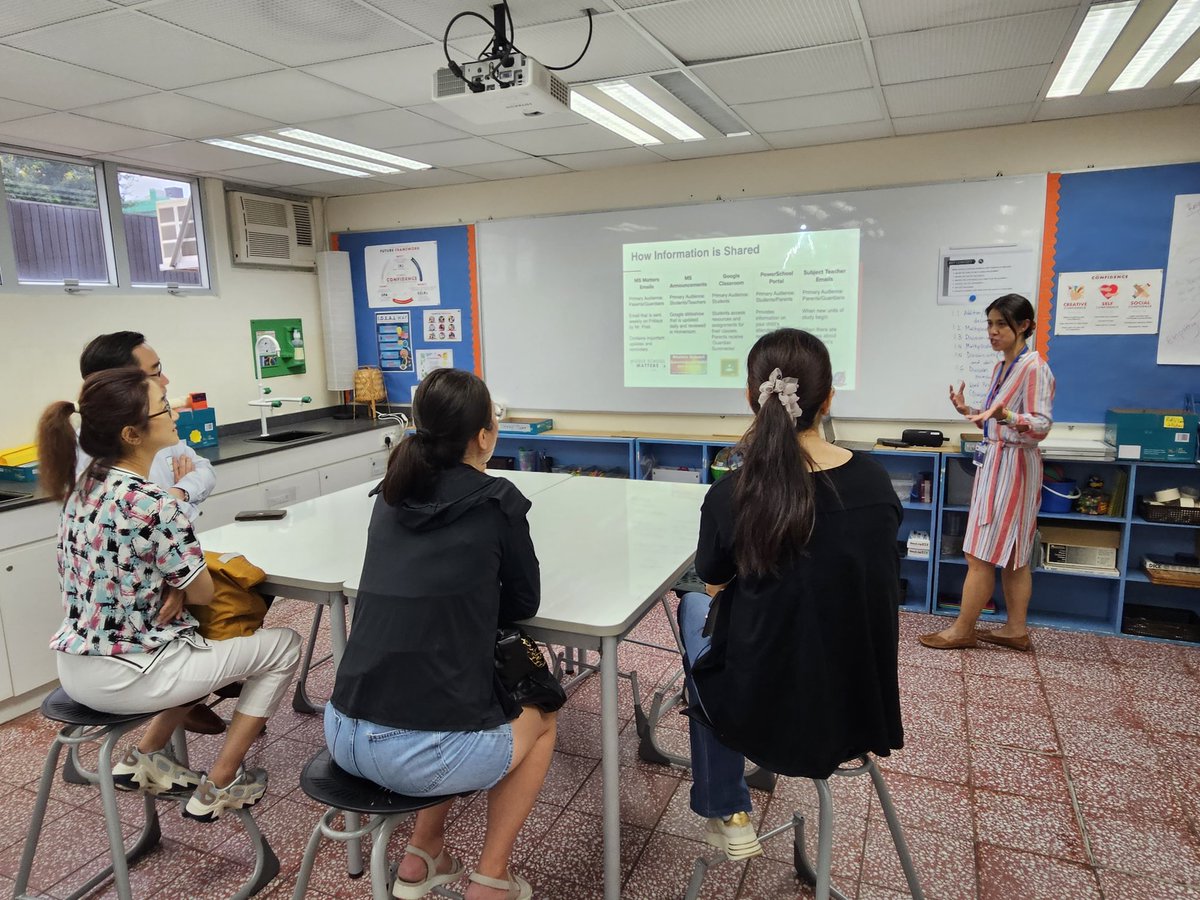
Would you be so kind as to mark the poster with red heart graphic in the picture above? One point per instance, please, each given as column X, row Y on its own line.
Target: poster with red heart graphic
column 1120, row 302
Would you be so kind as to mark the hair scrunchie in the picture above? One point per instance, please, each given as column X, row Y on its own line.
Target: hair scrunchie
column 785, row 389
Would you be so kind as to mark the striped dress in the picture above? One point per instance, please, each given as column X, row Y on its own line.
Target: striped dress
column 1008, row 486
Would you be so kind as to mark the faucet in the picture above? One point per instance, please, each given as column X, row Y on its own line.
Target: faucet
column 267, row 347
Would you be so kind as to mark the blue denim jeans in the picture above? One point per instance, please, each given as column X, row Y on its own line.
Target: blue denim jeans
column 718, row 773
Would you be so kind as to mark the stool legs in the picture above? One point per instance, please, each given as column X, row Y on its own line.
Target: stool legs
column 893, row 823
column 353, row 833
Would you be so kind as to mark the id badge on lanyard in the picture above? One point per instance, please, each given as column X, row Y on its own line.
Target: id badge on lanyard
column 980, row 453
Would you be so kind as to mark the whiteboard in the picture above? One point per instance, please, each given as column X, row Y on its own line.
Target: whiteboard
column 552, row 307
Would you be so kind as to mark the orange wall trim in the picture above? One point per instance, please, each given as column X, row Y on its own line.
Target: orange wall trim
column 476, row 323
column 333, row 241
column 1045, row 303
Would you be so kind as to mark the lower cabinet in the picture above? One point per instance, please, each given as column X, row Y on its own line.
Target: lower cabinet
column 31, row 610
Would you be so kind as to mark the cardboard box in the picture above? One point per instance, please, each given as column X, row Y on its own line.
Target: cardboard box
column 198, row 427
column 525, row 426
column 1080, row 546
column 1154, row 435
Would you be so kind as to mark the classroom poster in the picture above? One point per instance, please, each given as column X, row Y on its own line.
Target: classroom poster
column 1179, row 339
column 985, row 271
column 402, row 275
column 443, row 325
column 1118, row 302
column 393, row 334
column 429, row 360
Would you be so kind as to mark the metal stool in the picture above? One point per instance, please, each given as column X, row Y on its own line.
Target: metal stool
column 82, row 725
column 342, row 792
column 819, row 879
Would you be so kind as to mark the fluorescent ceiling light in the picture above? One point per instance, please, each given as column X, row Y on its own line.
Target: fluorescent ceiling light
column 321, row 140
column 629, row 96
column 1192, row 74
column 738, row 134
column 1175, row 28
column 290, row 147
column 1096, row 36
column 286, row 157
column 609, row 120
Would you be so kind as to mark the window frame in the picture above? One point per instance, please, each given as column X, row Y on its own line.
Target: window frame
column 120, row 279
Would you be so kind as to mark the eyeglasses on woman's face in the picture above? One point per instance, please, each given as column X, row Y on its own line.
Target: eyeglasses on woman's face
column 162, row 412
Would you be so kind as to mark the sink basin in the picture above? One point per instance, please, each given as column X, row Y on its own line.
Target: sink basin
column 283, row 437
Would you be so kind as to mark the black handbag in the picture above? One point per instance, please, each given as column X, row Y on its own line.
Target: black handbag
column 523, row 672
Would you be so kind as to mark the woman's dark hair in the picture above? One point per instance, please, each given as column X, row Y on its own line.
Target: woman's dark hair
column 773, row 497
column 449, row 408
column 1015, row 309
column 110, row 401
column 110, row 351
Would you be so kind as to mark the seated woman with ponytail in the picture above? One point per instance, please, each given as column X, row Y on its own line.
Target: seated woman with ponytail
column 793, row 663
column 128, row 562
column 416, row 706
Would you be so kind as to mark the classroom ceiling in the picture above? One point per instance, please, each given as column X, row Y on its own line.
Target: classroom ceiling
column 144, row 81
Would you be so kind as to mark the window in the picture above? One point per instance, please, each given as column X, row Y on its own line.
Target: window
column 160, row 229
column 57, row 220
column 95, row 226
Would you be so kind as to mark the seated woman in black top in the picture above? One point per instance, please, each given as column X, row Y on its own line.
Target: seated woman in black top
column 799, row 547
column 416, row 705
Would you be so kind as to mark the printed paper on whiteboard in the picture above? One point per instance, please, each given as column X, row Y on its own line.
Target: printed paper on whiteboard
column 400, row 275
column 981, row 273
column 430, row 360
column 1179, row 337
column 1121, row 302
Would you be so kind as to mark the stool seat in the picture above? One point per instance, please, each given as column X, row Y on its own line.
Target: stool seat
column 328, row 783
column 59, row 707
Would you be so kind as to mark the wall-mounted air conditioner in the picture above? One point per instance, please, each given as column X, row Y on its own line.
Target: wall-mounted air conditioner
column 271, row 231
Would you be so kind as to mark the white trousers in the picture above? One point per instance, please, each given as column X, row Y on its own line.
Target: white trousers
column 184, row 671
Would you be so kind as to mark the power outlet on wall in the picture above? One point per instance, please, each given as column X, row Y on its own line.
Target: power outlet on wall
column 390, row 437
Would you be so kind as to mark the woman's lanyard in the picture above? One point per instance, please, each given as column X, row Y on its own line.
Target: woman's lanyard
column 999, row 383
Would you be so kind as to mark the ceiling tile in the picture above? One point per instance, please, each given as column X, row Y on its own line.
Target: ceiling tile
column 606, row 159
column 1118, row 101
column 432, row 18
column 890, row 17
column 432, row 178
column 517, row 168
column 177, row 115
column 796, row 73
column 463, row 152
column 19, row 17
column 386, row 128
column 811, row 112
column 717, row 29
column 30, row 78
column 285, row 96
column 963, row 119
column 189, row 156
column 76, row 131
column 977, row 47
column 347, row 187
column 12, row 109
column 293, row 32
column 162, row 55
column 724, row 146
column 829, row 134
column 399, row 77
column 573, row 139
column 281, row 173
column 616, row 49
column 979, row 91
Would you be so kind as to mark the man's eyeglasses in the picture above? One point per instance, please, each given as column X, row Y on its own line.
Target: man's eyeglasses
column 161, row 412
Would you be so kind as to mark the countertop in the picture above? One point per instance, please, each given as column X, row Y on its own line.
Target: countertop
column 235, row 443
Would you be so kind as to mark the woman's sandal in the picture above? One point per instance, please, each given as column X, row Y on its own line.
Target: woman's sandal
column 517, row 884
column 414, row 890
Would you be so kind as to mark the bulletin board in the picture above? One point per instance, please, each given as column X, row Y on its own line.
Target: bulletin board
column 416, row 304
column 1105, row 220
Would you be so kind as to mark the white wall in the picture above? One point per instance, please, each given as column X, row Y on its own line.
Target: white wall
column 1146, row 138
column 204, row 341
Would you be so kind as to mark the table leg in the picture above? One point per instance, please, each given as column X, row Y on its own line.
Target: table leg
column 610, row 767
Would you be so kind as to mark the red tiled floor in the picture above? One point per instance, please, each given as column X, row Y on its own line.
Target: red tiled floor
column 1020, row 772
column 1011, row 728
column 1035, row 826
column 1128, row 790
column 1006, row 874
column 929, row 755
column 1142, row 846
column 1133, row 887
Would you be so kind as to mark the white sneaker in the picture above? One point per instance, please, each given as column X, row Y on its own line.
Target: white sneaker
column 155, row 773
column 735, row 836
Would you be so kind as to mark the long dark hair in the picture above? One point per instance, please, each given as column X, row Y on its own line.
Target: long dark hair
column 110, row 401
column 773, row 496
column 1015, row 309
column 449, row 408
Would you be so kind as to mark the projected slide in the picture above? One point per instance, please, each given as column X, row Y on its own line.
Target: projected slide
column 694, row 308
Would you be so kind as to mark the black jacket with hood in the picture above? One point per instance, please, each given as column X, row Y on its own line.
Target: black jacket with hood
column 440, row 575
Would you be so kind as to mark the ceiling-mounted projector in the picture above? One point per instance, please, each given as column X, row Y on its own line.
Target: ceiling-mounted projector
column 501, row 89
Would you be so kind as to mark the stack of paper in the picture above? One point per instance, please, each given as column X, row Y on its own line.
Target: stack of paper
column 1076, row 448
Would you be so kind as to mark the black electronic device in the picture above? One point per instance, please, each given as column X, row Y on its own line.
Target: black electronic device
column 260, row 515
column 892, row 442
column 923, row 437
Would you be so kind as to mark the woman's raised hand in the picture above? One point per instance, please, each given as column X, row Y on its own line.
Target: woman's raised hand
column 957, row 399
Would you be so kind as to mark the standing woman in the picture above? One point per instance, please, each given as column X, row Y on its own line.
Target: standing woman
column 1008, row 482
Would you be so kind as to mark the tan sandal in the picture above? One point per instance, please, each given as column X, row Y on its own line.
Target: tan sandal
column 414, row 890
column 518, row 888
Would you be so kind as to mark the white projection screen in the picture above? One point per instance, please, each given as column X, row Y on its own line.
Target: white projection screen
column 559, row 333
